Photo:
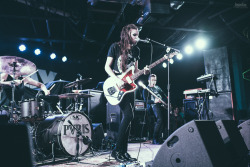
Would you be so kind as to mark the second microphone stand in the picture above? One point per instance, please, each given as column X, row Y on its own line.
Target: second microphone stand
column 86, row 140
column 168, row 86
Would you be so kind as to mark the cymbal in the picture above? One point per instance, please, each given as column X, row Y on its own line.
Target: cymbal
column 22, row 66
column 74, row 95
column 49, row 97
column 76, row 83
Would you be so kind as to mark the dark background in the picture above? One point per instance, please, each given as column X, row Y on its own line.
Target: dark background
column 83, row 32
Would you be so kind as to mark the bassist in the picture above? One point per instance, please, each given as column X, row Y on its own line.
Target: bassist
column 155, row 104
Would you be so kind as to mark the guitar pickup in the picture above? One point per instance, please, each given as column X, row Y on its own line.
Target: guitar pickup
column 111, row 90
column 120, row 95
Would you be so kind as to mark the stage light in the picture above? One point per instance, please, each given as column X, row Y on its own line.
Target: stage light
column 200, row 43
column 53, row 56
column 64, row 59
column 22, row 47
column 176, row 4
column 179, row 56
column 171, row 61
column 37, row 52
column 189, row 49
column 164, row 65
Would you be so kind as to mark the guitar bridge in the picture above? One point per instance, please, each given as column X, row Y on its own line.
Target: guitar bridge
column 111, row 90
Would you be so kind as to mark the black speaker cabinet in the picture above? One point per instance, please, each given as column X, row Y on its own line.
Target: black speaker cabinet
column 95, row 107
column 234, row 142
column 190, row 109
column 113, row 120
column 98, row 135
column 15, row 144
column 138, row 124
column 245, row 132
column 197, row 143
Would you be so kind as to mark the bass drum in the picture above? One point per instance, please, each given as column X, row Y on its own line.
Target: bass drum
column 56, row 129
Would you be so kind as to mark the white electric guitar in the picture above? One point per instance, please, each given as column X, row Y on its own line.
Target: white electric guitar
column 114, row 94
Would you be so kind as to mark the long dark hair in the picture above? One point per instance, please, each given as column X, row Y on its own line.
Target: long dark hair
column 124, row 44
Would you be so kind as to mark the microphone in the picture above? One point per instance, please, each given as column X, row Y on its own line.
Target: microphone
column 143, row 40
column 86, row 140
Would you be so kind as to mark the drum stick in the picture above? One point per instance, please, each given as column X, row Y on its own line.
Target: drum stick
column 52, row 87
column 59, row 110
column 29, row 75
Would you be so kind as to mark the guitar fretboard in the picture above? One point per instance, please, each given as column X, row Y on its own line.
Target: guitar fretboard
column 140, row 72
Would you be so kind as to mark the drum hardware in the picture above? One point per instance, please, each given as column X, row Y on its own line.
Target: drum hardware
column 78, row 82
column 86, row 140
column 55, row 136
column 15, row 66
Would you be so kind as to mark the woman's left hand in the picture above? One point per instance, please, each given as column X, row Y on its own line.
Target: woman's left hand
column 146, row 70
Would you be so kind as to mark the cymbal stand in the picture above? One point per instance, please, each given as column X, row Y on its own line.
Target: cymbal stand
column 1, row 88
column 13, row 92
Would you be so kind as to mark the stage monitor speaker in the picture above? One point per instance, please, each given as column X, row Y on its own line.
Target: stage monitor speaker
column 234, row 142
column 15, row 144
column 197, row 143
column 98, row 135
column 113, row 121
column 245, row 132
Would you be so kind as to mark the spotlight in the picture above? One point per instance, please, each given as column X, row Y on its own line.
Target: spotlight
column 64, row 59
column 179, row 56
column 171, row 61
column 164, row 65
column 200, row 43
column 53, row 56
column 22, row 47
column 189, row 49
column 37, row 52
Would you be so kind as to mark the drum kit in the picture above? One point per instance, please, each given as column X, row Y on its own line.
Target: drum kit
column 63, row 134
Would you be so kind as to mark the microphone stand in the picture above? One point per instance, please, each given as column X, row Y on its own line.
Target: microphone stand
column 167, row 47
column 86, row 140
column 13, row 92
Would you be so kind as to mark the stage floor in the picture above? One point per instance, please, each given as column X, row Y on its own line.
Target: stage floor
column 144, row 152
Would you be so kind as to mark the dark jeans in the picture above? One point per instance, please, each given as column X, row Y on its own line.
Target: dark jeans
column 161, row 121
column 127, row 107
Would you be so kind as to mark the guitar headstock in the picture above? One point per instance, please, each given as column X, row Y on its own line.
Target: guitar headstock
column 142, row 85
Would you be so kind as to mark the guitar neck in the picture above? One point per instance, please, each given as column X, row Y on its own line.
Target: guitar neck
column 155, row 95
column 140, row 72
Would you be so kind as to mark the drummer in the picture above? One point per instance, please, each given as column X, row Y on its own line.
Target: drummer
column 20, row 83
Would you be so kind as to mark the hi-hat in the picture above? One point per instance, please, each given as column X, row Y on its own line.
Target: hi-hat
column 76, row 83
column 74, row 95
column 22, row 66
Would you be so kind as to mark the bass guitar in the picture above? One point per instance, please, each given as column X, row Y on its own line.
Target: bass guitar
column 114, row 94
column 164, row 105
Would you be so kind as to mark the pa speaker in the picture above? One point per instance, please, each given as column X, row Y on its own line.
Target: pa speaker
column 15, row 145
column 98, row 135
column 245, row 132
column 197, row 143
column 234, row 142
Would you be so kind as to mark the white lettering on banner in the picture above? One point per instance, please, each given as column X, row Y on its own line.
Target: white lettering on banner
column 43, row 75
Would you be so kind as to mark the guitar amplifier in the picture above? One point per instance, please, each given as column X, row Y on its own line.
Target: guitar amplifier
column 139, row 105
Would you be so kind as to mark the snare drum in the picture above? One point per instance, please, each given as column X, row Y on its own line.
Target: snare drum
column 32, row 110
column 56, row 129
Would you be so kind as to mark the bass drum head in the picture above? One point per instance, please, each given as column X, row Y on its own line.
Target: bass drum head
column 68, row 137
